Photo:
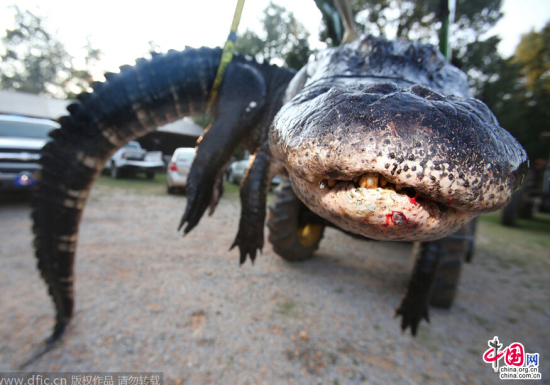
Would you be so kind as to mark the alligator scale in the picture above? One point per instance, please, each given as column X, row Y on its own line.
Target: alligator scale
column 377, row 136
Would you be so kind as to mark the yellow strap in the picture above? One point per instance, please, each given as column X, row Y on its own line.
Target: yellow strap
column 227, row 53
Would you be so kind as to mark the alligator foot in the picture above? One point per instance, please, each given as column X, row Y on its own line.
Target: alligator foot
column 412, row 309
column 253, row 196
column 415, row 302
column 249, row 241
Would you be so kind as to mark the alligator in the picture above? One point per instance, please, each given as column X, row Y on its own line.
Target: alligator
column 377, row 136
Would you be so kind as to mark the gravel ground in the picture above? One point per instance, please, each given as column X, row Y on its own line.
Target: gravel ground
column 149, row 300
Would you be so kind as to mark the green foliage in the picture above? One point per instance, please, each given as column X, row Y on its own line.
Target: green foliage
column 35, row 61
column 284, row 38
column 420, row 20
column 533, row 56
column 203, row 120
column 519, row 92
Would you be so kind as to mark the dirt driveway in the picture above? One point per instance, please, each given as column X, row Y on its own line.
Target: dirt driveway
column 150, row 300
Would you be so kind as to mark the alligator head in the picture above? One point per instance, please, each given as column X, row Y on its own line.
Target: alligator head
column 380, row 138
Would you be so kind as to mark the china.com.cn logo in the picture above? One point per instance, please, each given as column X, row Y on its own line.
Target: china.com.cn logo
column 518, row 365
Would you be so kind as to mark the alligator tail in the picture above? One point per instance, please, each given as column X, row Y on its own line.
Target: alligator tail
column 124, row 107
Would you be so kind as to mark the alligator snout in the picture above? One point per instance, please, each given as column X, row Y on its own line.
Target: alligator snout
column 393, row 162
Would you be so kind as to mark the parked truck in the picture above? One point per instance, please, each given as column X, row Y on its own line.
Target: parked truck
column 132, row 159
column 21, row 140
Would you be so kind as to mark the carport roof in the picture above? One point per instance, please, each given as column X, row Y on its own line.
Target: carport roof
column 183, row 127
column 36, row 106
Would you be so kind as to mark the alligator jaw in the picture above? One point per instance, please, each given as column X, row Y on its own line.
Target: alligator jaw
column 380, row 213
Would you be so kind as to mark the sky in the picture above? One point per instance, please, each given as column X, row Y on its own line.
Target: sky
column 122, row 29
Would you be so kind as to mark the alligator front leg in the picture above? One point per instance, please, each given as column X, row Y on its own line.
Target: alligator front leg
column 253, row 205
column 240, row 105
column 414, row 305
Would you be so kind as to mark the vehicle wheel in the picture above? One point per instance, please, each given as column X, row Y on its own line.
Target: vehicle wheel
column 107, row 167
column 150, row 174
column 230, row 177
column 294, row 231
column 170, row 190
column 116, row 172
column 454, row 250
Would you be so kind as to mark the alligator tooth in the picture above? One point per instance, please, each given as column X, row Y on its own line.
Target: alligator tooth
column 331, row 183
column 383, row 181
column 398, row 187
column 369, row 180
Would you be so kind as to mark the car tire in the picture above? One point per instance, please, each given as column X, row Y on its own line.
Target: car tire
column 231, row 177
column 292, row 240
column 150, row 174
column 115, row 172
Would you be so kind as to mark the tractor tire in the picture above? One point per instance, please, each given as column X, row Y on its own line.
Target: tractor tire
column 454, row 250
column 510, row 214
column 294, row 231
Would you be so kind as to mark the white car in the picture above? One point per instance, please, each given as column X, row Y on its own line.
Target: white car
column 178, row 169
column 237, row 169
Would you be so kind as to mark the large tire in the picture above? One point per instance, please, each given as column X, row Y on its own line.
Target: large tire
column 522, row 204
column 294, row 231
column 510, row 214
column 454, row 250
column 150, row 174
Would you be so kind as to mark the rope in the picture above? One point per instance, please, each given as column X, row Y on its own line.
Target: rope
column 227, row 53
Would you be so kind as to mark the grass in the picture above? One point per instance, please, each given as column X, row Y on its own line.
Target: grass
column 287, row 309
column 141, row 185
column 538, row 224
column 137, row 184
column 525, row 246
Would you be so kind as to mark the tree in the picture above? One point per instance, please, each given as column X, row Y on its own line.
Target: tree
column 520, row 94
column 533, row 57
column 284, row 38
column 35, row 61
column 420, row 20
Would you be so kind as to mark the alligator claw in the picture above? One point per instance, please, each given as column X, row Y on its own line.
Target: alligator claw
column 411, row 313
column 250, row 240
column 199, row 197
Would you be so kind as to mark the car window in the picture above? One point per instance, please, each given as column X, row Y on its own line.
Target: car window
column 186, row 155
column 25, row 129
column 132, row 146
